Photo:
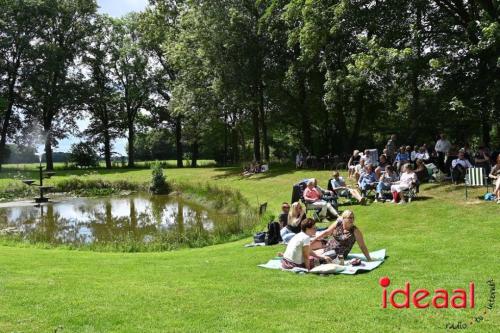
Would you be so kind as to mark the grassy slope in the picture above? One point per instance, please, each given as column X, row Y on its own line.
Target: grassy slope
column 432, row 243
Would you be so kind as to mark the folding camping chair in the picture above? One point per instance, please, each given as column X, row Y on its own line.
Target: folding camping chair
column 298, row 195
column 475, row 177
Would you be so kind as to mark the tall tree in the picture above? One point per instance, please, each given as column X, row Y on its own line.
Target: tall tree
column 51, row 87
column 129, row 63
column 18, row 26
column 102, row 98
column 159, row 26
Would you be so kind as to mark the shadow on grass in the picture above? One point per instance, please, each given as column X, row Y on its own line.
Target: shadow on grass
column 275, row 171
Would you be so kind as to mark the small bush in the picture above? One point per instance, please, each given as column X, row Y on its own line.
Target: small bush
column 159, row 184
column 83, row 154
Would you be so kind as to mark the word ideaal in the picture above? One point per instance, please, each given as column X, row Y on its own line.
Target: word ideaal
column 440, row 300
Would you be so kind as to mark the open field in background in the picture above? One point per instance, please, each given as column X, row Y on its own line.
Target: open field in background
column 438, row 241
column 117, row 165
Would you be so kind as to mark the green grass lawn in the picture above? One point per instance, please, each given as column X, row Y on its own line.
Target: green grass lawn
column 439, row 241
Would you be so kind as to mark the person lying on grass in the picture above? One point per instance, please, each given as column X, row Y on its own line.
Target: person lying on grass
column 343, row 234
column 298, row 253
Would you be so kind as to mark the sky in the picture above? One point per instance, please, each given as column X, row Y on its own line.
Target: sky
column 115, row 8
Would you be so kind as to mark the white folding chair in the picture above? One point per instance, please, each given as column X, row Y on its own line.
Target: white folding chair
column 475, row 177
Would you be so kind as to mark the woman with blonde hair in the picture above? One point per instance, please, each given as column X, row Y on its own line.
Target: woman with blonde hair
column 343, row 235
column 295, row 217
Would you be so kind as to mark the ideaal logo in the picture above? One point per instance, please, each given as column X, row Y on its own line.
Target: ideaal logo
column 460, row 298
column 421, row 298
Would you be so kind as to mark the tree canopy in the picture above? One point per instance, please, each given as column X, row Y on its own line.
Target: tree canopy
column 238, row 80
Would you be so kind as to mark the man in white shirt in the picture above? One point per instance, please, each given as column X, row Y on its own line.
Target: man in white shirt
column 459, row 167
column 442, row 148
column 422, row 154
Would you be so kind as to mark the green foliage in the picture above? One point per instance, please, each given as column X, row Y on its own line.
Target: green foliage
column 159, row 183
column 84, row 155
column 177, row 281
column 233, row 80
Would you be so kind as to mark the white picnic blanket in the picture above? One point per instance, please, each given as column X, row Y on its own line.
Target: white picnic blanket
column 378, row 258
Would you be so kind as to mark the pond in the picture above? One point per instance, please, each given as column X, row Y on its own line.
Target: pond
column 146, row 221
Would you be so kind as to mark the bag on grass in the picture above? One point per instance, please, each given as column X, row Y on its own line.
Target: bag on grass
column 259, row 237
column 273, row 235
column 489, row 197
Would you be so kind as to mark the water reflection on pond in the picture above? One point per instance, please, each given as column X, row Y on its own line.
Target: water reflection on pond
column 141, row 218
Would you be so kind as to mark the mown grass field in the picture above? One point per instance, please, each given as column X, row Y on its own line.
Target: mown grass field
column 438, row 241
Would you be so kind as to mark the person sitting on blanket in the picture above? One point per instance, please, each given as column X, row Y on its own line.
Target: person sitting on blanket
column 283, row 217
column 408, row 179
column 313, row 195
column 294, row 218
column 388, row 178
column 343, row 234
column 367, row 180
column 298, row 252
column 495, row 175
column 338, row 185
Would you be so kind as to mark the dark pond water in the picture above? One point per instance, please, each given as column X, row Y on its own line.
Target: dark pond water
column 139, row 218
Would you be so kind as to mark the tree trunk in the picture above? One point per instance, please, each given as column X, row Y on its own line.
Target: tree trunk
column 178, row 142
column 8, row 113
column 341, row 133
column 414, row 77
column 256, row 135
column 48, row 150
column 226, row 140
column 358, row 120
column 486, row 129
column 304, row 114
column 263, row 125
column 235, row 145
column 195, row 152
column 107, row 148
column 131, row 137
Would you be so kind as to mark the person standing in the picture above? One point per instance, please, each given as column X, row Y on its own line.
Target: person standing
column 299, row 160
column 442, row 148
column 391, row 147
column 482, row 159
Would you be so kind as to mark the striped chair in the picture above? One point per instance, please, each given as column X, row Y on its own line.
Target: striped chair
column 475, row 177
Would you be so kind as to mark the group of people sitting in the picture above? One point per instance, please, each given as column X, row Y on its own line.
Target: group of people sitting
column 253, row 168
column 452, row 162
column 385, row 177
column 307, row 248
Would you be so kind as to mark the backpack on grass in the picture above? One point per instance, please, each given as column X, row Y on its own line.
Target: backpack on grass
column 273, row 235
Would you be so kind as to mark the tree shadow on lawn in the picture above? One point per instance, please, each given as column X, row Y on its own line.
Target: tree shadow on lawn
column 229, row 172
